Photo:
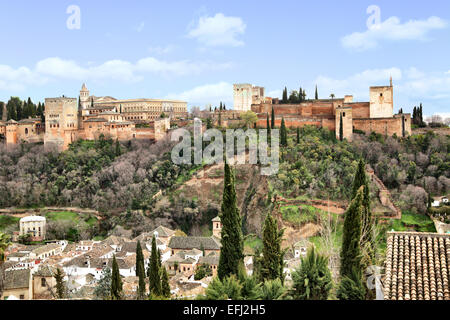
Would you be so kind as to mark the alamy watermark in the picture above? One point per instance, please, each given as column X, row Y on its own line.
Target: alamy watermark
column 260, row 151
column 74, row 20
column 374, row 20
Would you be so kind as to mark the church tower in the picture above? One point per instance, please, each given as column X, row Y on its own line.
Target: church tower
column 84, row 97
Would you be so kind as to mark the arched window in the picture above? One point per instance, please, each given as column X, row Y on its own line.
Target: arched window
column 26, row 130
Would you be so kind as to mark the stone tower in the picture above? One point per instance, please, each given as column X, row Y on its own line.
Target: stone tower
column 11, row 132
column 84, row 97
column 382, row 101
column 347, row 122
column 217, row 227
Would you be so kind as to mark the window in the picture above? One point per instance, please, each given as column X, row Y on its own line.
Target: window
column 22, row 297
column 343, row 114
column 26, row 130
column 43, row 282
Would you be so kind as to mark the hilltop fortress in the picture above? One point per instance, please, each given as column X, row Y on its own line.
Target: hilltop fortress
column 70, row 119
column 374, row 116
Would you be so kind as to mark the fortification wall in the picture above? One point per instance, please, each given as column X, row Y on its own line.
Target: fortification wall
column 385, row 126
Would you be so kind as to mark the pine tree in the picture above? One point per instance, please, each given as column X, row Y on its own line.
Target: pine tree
column 283, row 134
column 273, row 255
column 351, row 247
column 316, row 94
column 116, row 281
column 140, row 270
column 60, row 286
column 165, row 287
column 273, row 118
column 298, row 135
column 232, row 251
column 154, row 276
column 341, row 129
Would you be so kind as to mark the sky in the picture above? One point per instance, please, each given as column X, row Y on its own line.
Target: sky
column 195, row 50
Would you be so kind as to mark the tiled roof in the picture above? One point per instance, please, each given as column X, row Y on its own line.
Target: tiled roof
column 209, row 260
column 417, row 266
column 17, row 279
column 187, row 243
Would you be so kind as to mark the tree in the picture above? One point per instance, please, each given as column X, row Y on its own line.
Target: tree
column 103, row 289
column 60, row 286
column 232, row 251
column 165, row 287
column 202, row 271
column 140, row 270
column 116, row 281
column 273, row 290
column 154, row 275
column 351, row 243
column 249, row 118
column 341, row 129
column 273, row 255
column 268, row 122
column 228, row 288
column 285, row 96
column 209, row 124
column 298, row 135
column 367, row 241
column 118, row 150
column 312, row 281
column 316, row 96
column 4, row 244
column 283, row 134
column 273, row 118
column 351, row 287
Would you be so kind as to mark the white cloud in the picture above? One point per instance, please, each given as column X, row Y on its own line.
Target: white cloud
column 207, row 94
column 392, row 29
column 357, row 84
column 219, row 30
column 55, row 68
column 158, row 50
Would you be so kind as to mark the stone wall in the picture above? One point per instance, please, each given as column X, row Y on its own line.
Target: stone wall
column 385, row 126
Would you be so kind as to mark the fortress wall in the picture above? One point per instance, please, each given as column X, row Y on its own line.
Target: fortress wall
column 360, row 109
column 385, row 126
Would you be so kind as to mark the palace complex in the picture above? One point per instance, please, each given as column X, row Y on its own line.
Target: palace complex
column 375, row 115
column 70, row 119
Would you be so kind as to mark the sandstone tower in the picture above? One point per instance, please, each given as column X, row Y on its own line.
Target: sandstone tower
column 382, row 101
column 217, row 227
column 84, row 97
column 347, row 122
column 11, row 132
column 244, row 95
column 61, row 122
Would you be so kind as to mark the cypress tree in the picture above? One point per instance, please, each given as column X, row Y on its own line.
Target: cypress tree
column 140, row 270
column 165, row 287
column 154, row 277
column 273, row 118
column 272, row 260
column 341, row 129
column 60, row 287
column 367, row 241
column 317, row 94
column 116, row 281
column 285, row 96
column 232, row 251
column 268, row 122
column 283, row 133
column 351, row 247
column 300, row 95
column 298, row 135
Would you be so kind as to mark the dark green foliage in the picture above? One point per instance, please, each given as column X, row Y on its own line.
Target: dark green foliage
column 341, row 128
column 116, row 281
column 60, row 285
column 298, row 135
column 165, row 287
column 316, row 96
column 351, row 287
column 268, row 122
column 273, row 255
column 312, row 281
column 140, row 270
column 231, row 254
column 251, row 287
column 273, row 118
column 228, row 288
column 273, row 290
column 154, row 271
column 103, row 288
column 283, row 133
column 285, row 96
column 351, row 248
column 202, row 271
column 209, row 124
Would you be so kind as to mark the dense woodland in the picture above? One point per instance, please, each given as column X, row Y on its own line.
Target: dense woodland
column 17, row 109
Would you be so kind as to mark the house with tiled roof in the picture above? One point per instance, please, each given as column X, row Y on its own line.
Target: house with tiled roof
column 208, row 244
column 17, row 285
column 417, row 266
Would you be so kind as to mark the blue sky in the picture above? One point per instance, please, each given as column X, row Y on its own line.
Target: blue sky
column 196, row 50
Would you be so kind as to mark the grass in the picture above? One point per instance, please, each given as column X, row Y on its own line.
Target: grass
column 7, row 221
column 253, row 242
column 300, row 214
column 74, row 217
column 414, row 222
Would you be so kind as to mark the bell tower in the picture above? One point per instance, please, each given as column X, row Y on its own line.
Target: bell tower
column 84, row 97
